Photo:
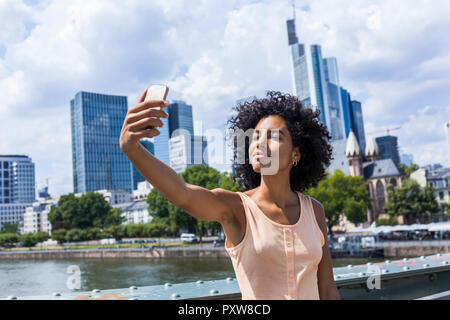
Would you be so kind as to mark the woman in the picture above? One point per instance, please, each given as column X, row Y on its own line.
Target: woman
column 276, row 236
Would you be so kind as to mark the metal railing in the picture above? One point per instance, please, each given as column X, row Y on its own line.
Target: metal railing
column 425, row 278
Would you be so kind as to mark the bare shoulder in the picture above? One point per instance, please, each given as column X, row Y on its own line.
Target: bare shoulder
column 232, row 200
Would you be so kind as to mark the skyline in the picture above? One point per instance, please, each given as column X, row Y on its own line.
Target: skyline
column 200, row 53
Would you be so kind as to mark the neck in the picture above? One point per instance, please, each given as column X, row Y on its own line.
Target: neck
column 276, row 189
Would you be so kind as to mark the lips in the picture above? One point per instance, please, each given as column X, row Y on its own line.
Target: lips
column 259, row 155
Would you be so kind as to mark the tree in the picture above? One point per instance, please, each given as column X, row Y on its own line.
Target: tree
column 12, row 228
column 28, row 239
column 157, row 227
column 408, row 170
column 410, row 201
column 341, row 194
column 74, row 235
column 89, row 210
column 8, row 239
column 158, row 206
column 199, row 175
column 59, row 235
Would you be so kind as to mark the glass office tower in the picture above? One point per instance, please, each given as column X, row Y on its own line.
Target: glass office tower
column 316, row 82
column 17, row 179
column 180, row 117
column 98, row 161
column 357, row 123
column 389, row 148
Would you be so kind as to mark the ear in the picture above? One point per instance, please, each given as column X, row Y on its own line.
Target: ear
column 297, row 154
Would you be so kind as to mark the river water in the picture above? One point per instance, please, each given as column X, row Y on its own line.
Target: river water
column 43, row 277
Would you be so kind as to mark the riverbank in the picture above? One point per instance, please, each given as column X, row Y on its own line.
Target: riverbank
column 190, row 252
column 143, row 253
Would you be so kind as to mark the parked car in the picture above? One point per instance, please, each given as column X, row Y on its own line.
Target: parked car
column 188, row 237
column 108, row 241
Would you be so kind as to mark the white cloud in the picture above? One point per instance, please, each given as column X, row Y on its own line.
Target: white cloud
column 212, row 53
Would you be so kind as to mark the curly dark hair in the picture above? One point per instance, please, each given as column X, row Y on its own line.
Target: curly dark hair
column 306, row 129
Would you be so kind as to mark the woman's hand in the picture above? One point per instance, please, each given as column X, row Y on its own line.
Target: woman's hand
column 141, row 121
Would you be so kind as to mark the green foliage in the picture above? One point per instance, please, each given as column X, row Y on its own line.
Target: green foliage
column 8, row 239
column 341, row 194
column 410, row 200
column 408, row 170
column 176, row 219
column 387, row 222
column 74, row 235
column 157, row 227
column 12, row 228
column 59, row 235
column 116, row 232
column 28, row 240
column 158, row 204
column 89, row 210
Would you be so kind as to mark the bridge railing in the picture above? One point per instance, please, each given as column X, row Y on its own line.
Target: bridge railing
column 410, row 278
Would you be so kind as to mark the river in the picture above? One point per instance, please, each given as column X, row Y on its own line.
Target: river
column 43, row 277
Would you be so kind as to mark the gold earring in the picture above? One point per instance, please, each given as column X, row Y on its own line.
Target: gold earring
column 295, row 163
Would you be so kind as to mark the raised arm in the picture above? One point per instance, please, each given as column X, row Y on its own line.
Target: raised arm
column 201, row 203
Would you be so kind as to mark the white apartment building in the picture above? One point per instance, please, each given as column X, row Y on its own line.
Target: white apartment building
column 438, row 179
column 36, row 216
column 135, row 212
column 113, row 196
column 144, row 188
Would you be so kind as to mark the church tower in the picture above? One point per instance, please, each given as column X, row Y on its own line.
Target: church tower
column 354, row 156
column 372, row 150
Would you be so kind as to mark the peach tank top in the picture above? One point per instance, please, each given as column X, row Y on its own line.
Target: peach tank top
column 275, row 261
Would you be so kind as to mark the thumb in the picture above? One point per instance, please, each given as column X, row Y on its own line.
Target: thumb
column 144, row 94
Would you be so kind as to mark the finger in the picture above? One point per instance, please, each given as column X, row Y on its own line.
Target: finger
column 144, row 123
column 144, row 94
column 145, row 133
column 148, row 104
column 148, row 113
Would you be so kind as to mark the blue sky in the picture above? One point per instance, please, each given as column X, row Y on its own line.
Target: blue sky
column 393, row 56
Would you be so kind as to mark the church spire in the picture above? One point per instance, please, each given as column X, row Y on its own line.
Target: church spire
column 353, row 148
column 372, row 150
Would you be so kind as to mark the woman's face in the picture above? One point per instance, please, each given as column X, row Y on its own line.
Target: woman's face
column 271, row 149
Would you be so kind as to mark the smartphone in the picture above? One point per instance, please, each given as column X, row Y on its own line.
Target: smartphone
column 156, row 92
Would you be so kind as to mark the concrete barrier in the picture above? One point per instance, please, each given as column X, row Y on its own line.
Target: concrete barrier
column 114, row 254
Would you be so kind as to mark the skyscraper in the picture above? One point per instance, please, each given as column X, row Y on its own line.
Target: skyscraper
column 98, row 162
column 316, row 82
column 180, row 117
column 17, row 179
column 357, row 122
column 186, row 151
column 389, row 148
column 17, row 187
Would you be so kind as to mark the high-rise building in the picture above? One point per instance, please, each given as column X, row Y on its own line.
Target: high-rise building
column 316, row 82
column 357, row 122
column 17, row 179
column 17, row 187
column 186, row 151
column 180, row 117
column 137, row 177
column 388, row 146
column 98, row 162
